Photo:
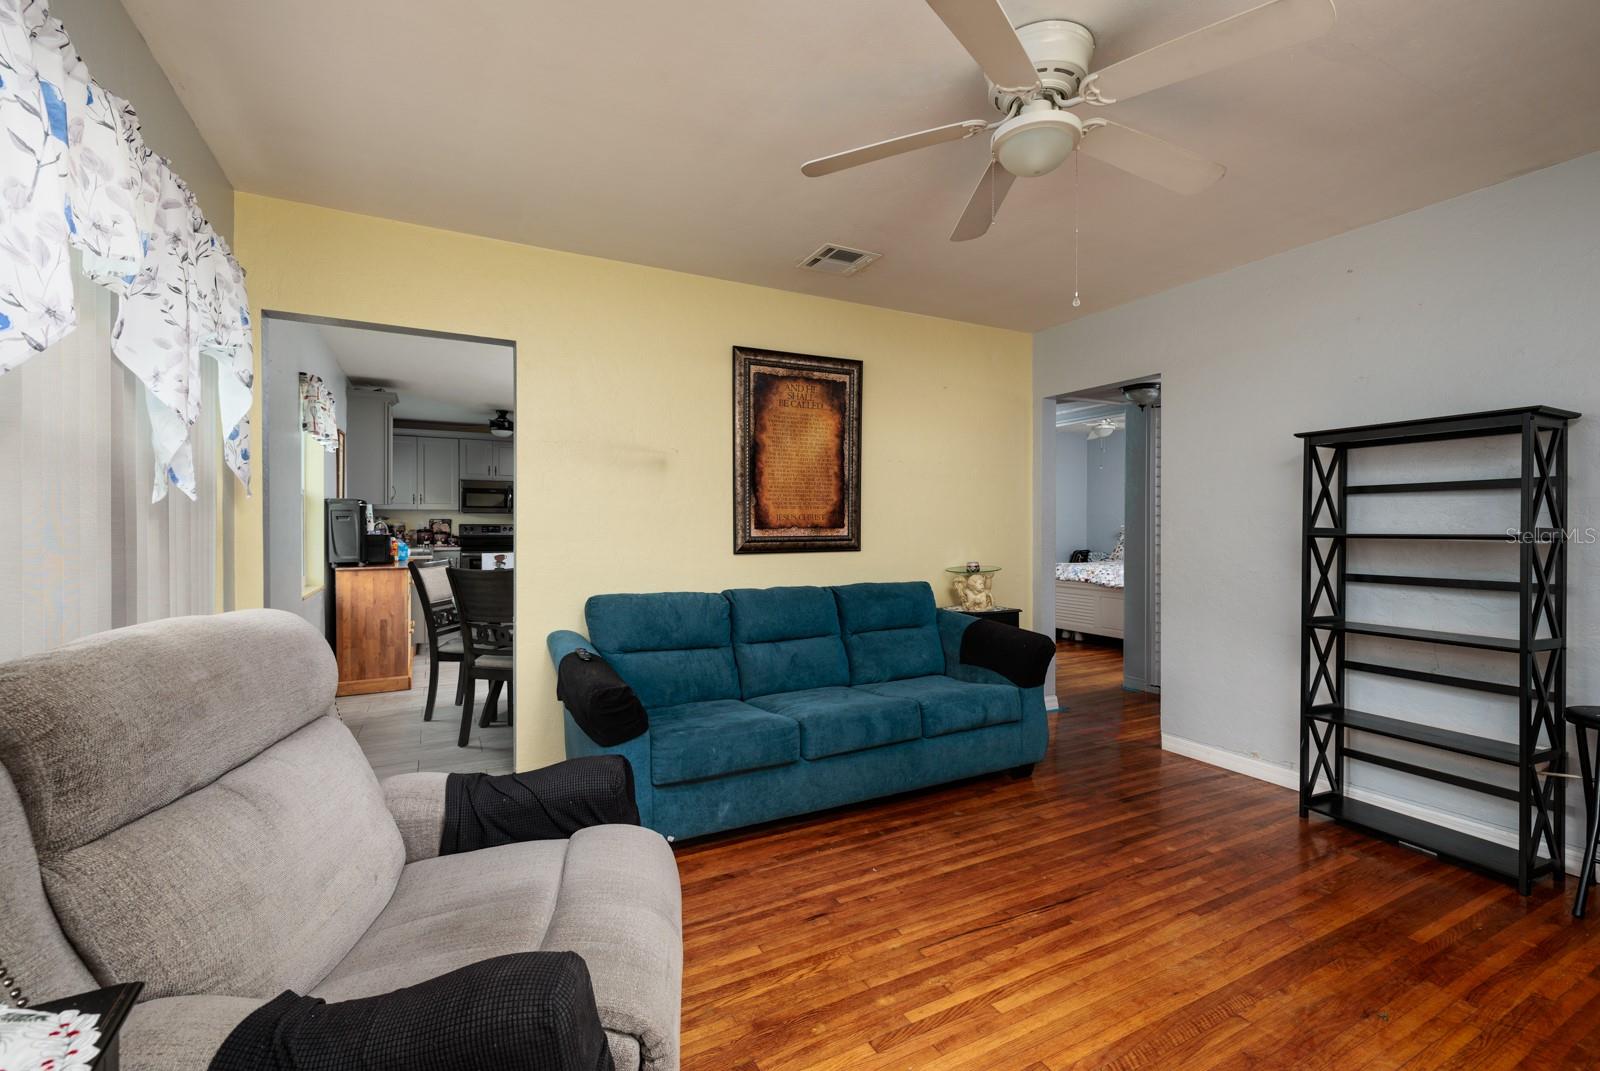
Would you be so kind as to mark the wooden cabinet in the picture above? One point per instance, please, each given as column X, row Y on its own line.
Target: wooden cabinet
column 372, row 628
column 425, row 473
column 488, row 459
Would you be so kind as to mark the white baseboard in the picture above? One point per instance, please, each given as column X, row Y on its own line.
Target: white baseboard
column 1249, row 765
column 1285, row 777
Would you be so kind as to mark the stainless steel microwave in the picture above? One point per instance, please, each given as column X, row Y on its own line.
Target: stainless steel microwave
column 485, row 496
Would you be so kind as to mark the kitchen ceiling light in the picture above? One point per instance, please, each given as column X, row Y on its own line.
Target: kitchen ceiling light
column 500, row 426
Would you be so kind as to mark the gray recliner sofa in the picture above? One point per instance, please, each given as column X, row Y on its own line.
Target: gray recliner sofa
column 180, row 805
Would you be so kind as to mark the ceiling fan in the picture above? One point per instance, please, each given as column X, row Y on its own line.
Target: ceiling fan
column 1040, row 70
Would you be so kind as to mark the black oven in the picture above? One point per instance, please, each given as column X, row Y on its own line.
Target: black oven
column 485, row 496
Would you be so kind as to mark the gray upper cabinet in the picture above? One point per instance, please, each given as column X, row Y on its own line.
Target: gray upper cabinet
column 368, row 434
column 438, row 474
column 426, row 473
column 403, row 477
column 477, row 459
column 505, row 460
column 487, row 459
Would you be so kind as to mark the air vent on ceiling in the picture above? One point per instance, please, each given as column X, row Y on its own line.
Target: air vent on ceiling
column 838, row 260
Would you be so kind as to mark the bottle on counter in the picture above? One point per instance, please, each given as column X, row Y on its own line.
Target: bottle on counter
column 404, row 554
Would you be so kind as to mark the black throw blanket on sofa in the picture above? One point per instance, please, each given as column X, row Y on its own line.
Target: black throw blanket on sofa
column 487, row 810
column 531, row 1011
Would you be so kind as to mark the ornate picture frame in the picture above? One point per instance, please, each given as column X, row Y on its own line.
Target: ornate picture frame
column 796, row 452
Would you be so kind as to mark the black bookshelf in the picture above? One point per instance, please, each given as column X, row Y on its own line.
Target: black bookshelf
column 1539, row 648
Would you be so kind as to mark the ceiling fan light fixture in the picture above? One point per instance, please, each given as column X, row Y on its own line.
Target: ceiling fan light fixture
column 1037, row 140
column 500, row 426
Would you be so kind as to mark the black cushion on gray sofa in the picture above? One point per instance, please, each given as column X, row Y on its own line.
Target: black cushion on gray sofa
column 552, row 803
column 530, row 1011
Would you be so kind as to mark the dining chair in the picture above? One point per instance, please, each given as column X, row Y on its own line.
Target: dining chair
column 442, row 622
column 483, row 601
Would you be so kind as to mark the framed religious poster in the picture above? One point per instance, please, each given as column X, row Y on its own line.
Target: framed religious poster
column 796, row 452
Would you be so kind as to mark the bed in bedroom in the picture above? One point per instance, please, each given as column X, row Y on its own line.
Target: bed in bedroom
column 1089, row 598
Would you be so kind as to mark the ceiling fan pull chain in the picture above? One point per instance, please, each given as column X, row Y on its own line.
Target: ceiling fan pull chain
column 1076, row 301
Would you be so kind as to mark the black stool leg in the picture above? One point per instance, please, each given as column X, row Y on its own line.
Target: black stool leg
column 1580, row 902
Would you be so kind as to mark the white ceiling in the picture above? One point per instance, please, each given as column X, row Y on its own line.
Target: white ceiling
column 436, row 378
column 672, row 133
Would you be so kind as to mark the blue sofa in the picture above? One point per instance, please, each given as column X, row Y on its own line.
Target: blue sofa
column 771, row 702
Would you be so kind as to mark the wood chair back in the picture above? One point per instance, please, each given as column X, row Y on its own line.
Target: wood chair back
column 438, row 601
column 484, row 603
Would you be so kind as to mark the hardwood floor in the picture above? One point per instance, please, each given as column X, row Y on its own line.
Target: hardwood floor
column 395, row 739
column 1123, row 908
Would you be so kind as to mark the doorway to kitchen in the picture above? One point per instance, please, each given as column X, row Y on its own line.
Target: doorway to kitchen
column 389, row 485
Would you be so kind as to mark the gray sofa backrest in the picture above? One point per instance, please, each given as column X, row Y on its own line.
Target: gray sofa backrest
column 202, row 822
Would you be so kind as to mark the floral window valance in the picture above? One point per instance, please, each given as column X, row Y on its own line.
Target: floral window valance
column 317, row 416
column 75, row 173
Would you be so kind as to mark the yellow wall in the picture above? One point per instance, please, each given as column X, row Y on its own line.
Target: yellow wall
column 624, row 417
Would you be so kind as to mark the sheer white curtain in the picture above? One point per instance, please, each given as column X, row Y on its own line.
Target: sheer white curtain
column 85, row 550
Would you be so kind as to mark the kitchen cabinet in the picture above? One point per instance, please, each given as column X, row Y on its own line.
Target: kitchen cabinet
column 372, row 628
column 487, row 459
column 425, row 473
column 368, row 434
column 403, row 471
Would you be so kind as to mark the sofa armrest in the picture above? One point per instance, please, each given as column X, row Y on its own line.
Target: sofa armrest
column 416, row 800
column 180, row 1033
column 563, row 642
column 523, row 1009
column 991, row 652
column 620, row 908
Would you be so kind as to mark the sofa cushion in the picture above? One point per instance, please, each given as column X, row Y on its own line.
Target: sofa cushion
column 671, row 648
column 259, row 882
column 104, row 730
column 834, row 721
column 786, row 639
column 558, row 896
column 890, row 631
column 451, row 911
column 694, row 741
column 951, row 706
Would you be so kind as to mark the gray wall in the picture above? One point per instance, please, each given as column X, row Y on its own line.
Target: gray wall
column 1106, row 490
column 120, row 60
column 1072, row 492
column 289, row 348
column 1482, row 302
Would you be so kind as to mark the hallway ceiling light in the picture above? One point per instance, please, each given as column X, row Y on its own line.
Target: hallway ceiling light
column 500, row 426
column 1144, row 395
column 1101, row 429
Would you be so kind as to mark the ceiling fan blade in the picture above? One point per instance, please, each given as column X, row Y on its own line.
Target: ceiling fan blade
column 1252, row 33
column 984, row 30
column 878, row 150
column 984, row 203
column 1148, row 157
